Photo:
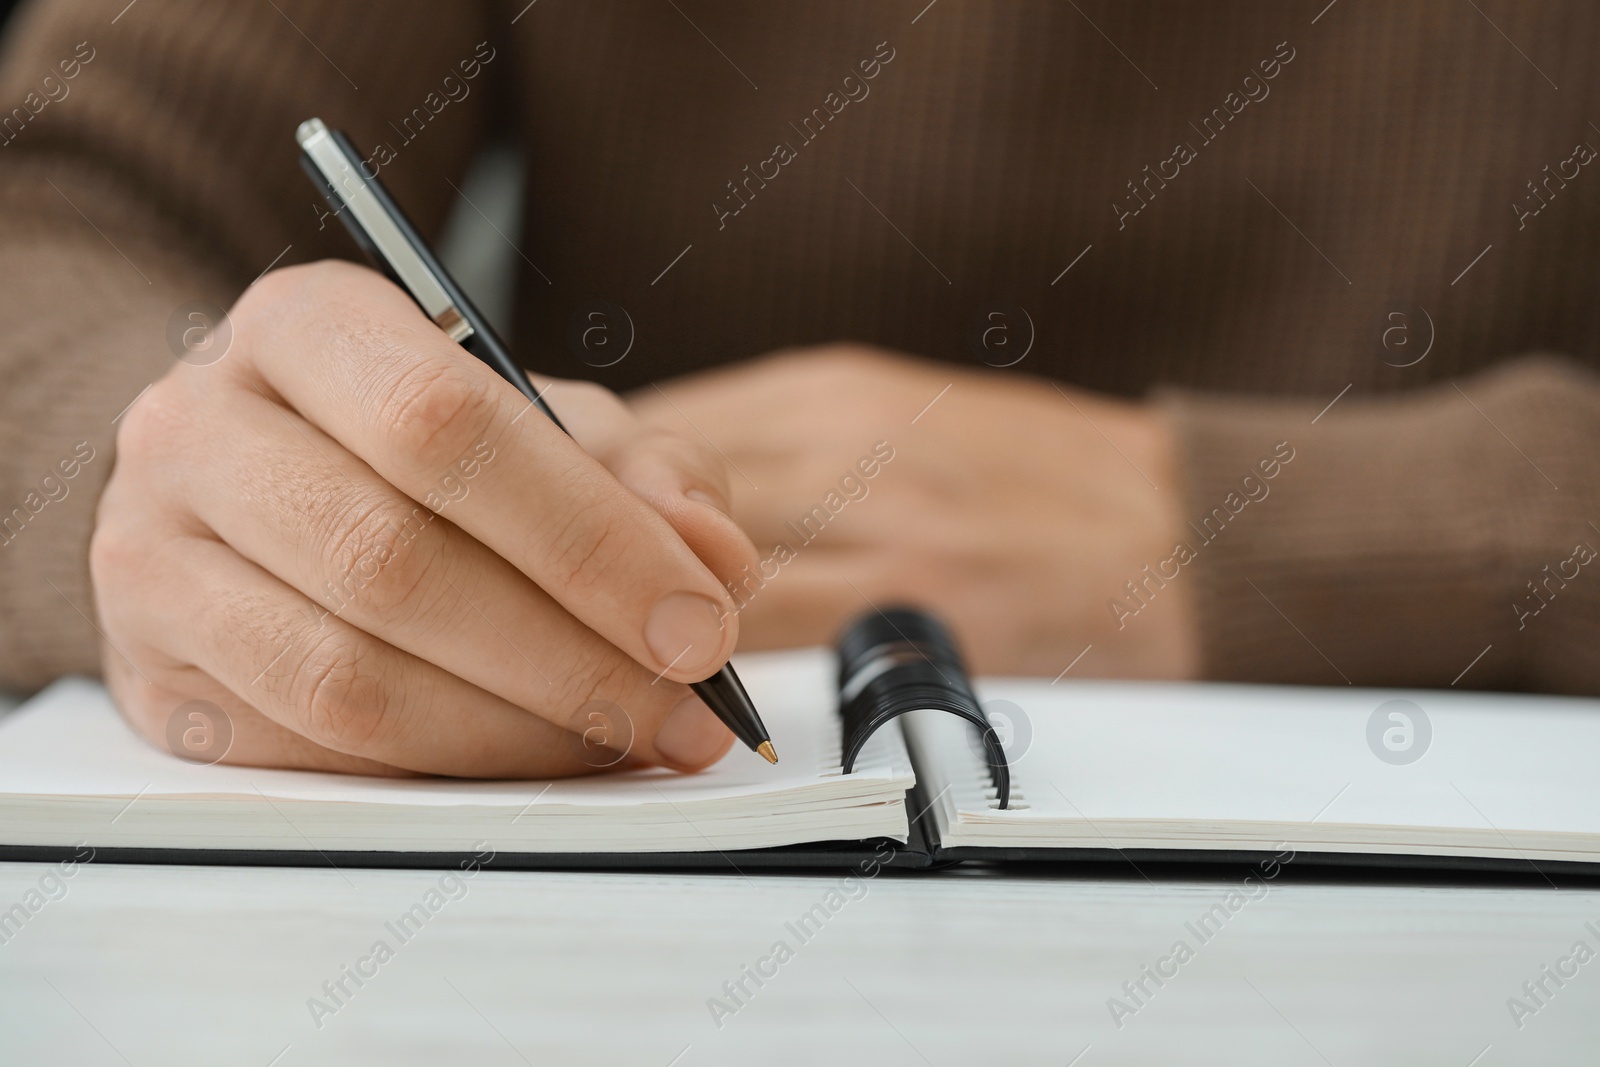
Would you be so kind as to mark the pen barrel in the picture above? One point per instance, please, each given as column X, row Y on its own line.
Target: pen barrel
column 398, row 250
column 725, row 695
column 487, row 346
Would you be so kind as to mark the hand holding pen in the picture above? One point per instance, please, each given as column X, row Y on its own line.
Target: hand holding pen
column 352, row 538
column 382, row 230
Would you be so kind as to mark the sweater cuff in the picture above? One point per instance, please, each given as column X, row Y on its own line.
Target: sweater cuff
column 86, row 333
column 1386, row 541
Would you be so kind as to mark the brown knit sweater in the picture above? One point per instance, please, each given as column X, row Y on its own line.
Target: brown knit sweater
column 1267, row 208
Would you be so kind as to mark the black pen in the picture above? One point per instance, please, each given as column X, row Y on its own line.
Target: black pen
column 387, row 236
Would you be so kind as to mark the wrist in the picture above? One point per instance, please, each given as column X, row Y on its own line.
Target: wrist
column 1150, row 610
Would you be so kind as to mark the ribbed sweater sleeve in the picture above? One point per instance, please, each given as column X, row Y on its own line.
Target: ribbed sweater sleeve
column 147, row 161
column 1446, row 536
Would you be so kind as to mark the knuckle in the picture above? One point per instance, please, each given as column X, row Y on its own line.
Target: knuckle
column 698, row 458
column 584, row 548
column 113, row 555
column 376, row 556
column 268, row 294
column 831, row 374
column 431, row 413
column 341, row 703
column 851, row 360
column 151, row 424
column 608, row 676
column 598, row 673
column 281, row 292
column 677, row 448
column 695, row 460
column 140, row 705
column 299, row 280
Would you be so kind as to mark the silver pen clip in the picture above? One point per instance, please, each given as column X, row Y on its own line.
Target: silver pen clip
column 344, row 178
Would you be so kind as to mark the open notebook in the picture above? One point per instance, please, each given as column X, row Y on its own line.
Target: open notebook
column 1098, row 771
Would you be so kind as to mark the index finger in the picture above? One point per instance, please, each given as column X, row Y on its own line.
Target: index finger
column 355, row 356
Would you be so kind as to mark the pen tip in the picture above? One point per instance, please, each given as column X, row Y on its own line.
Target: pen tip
column 768, row 753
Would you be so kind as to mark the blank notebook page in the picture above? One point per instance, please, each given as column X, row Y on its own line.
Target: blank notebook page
column 71, row 770
column 1132, row 765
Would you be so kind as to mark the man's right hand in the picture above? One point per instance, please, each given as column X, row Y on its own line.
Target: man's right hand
column 374, row 555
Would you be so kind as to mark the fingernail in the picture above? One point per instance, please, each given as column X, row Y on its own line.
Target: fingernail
column 703, row 497
column 692, row 736
column 685, row 631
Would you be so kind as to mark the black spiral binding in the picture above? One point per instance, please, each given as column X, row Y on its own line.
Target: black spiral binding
column 903, row 659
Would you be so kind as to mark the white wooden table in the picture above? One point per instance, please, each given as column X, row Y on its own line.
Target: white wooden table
column 170, row 966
